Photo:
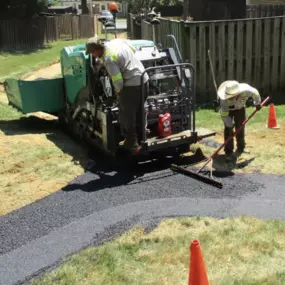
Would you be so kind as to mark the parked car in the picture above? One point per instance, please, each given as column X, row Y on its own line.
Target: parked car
column 105, row 16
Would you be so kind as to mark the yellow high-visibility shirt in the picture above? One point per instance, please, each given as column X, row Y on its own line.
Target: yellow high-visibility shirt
column 122, row 64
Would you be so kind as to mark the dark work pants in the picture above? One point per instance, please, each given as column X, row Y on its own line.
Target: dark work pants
column 130, row 112
column 239, row 117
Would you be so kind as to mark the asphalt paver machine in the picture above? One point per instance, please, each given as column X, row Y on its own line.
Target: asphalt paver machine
column 84, row 100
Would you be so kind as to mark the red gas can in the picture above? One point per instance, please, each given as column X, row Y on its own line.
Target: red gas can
column 164, row 125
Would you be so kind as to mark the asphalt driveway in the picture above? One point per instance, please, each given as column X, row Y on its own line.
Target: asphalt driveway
column 104, row 202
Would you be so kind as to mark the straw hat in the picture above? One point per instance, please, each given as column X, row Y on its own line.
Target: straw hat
column 230, row 88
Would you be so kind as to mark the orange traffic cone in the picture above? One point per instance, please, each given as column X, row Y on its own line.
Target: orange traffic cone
column 272, row 120
column 197, row 274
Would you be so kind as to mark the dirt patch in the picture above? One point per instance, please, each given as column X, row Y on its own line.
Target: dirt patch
column 47, row 72
column 264, row 152
column 36, row 158
column 3, row 97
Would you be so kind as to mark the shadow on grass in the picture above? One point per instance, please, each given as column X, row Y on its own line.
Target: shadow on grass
column 51, row 129
column 27, row 125
column 222, row 168
column 121, row 172
column 24, row 50
column 110, row 174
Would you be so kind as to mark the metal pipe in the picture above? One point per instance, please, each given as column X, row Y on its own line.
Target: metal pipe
column 114, row 18
column 194, row 102
column 176, row 46
column 181, row 107
column 153, row 33
column 144, row 121
column 212, row 70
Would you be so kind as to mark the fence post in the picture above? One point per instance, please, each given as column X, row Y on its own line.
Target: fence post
column 95, row 24
column 71, row 27
column 182, row 38
column 128, row 24
column 192, row 51
column 56, row 27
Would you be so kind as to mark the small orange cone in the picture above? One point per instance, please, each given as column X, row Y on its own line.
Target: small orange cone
column 272, row 120
column 197, row 274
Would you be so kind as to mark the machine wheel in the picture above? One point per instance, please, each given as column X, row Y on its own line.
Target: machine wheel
column 62, row 119
column 126, row 159
column 183, row 149
column 180, row 151
column 64, row 123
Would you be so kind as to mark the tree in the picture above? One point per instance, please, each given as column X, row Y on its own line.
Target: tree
column 4, row 7
column 22, row 8
column 84, row 7
column 35, row 6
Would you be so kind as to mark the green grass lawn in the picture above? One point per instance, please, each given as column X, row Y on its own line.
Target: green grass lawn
column 36, row 158
column 210, row 119
column 237, row 251
column 17, row 65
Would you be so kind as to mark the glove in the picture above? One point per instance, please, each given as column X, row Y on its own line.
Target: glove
column 258, row 107
column 228, row 122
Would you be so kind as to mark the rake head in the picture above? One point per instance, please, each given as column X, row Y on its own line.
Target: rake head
column 196, row 175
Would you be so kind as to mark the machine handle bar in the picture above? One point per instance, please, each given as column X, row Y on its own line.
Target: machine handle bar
column 165, row 67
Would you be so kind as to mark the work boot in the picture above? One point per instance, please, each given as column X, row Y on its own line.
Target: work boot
column 239, row 152
column 229, row 157
column 132, row 146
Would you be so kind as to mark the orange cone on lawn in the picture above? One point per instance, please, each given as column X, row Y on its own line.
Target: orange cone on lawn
column 197, row 274
column 272, row 120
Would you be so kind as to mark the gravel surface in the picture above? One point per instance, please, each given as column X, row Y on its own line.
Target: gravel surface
column 103, row 202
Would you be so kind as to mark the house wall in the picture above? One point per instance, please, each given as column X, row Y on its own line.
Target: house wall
column 96, row 7
column 205, row 10
column 103, row 5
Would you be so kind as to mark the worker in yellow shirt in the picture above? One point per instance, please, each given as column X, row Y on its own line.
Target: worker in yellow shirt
column 125, row 70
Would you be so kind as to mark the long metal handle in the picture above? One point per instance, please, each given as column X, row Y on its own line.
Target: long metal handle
column 233, row 135
column 176, row 46
column 213, row 73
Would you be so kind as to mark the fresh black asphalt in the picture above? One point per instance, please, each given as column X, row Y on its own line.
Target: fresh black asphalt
column 104, row 202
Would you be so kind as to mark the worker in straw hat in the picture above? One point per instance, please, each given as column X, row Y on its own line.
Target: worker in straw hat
column 233, row 96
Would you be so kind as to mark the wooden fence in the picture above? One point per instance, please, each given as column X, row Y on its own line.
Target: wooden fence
column 263, row 10
column 248, row 50
column 34, row 33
